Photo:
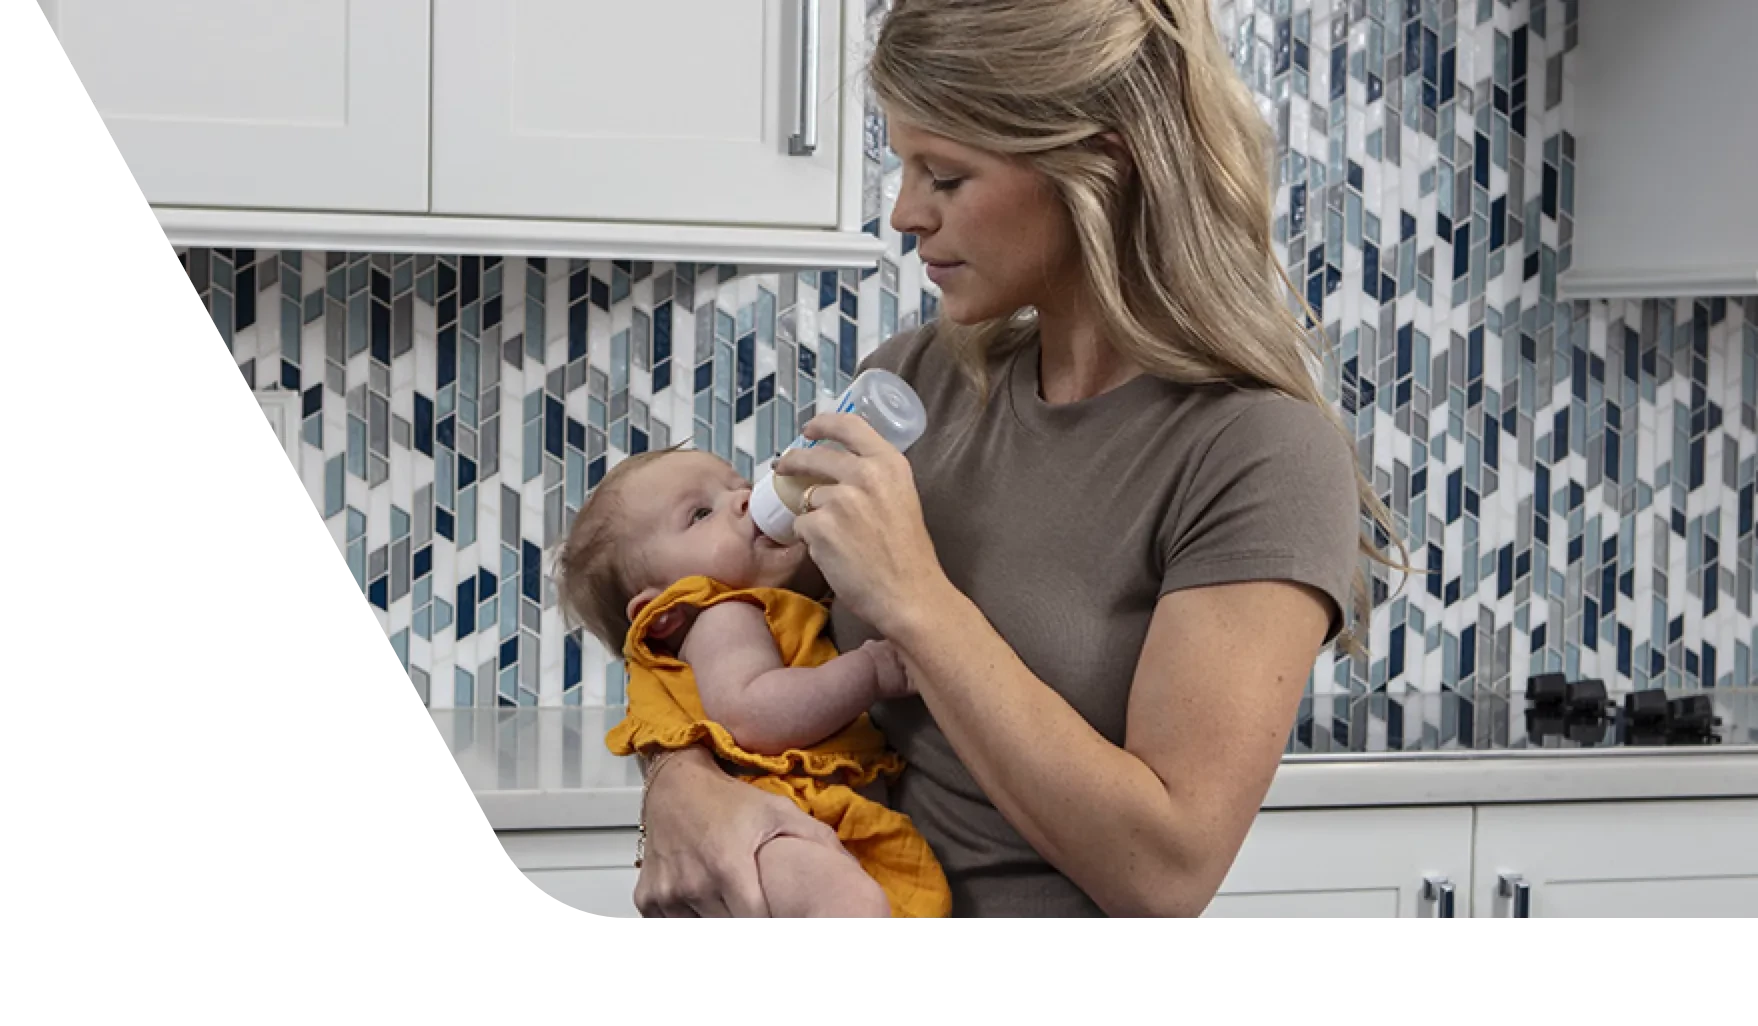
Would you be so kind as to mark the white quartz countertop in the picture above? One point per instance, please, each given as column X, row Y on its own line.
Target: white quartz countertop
column 548, row 769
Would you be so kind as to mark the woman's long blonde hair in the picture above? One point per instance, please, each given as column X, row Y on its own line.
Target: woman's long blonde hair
column 1176, row 245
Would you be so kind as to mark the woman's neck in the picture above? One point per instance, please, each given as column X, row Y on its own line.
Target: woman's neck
column 1075, row 361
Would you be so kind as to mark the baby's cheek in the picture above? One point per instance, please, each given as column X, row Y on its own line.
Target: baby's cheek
column 736, row 556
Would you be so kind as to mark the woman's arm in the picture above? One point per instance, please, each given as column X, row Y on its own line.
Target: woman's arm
column 1150, row 828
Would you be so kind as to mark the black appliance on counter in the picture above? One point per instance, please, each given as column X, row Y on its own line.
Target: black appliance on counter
column 1580, row 712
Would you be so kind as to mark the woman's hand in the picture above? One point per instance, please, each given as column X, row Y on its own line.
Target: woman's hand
column 865, row 528
column 703, row 832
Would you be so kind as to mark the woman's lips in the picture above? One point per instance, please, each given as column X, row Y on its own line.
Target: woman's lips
column 939, row 272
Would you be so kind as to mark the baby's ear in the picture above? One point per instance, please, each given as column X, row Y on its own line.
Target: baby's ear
column 666, row 624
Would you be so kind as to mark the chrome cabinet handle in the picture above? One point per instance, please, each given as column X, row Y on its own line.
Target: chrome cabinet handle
column 1439, row 890
column 804, row 141
column 1514, row 887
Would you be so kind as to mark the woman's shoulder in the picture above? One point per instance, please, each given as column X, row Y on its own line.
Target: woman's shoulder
column 1275, row 422
column 1231, row 428
column 1280, row 443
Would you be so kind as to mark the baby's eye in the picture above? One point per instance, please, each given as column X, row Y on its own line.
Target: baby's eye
column 700, row 513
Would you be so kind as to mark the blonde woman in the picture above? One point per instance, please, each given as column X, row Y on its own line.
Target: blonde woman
column 1113, row 559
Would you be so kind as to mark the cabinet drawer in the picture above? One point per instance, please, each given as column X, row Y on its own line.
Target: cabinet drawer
column 1662, row 858
column 1348, row 863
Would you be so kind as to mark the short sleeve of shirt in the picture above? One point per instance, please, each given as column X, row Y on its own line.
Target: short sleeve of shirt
column 1274, row 498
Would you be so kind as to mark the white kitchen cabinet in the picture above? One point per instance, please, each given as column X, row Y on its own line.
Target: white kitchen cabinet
column 1350, row 863
column 593, row 129
column 663, row 110
column 1663, row 858
column 314, row 105
column 591, row 870
column 1661, row 831
column 1694, row 858
column 1662, row 98
column 1587, row 859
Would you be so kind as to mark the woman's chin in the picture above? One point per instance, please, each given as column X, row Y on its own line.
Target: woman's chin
column 953, row 310
column 967, row 310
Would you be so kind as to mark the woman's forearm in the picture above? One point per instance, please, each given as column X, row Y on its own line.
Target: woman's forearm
column 697, row 755
column 1093, row 810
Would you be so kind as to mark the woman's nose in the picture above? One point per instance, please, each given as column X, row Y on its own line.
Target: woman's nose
column 909, row 215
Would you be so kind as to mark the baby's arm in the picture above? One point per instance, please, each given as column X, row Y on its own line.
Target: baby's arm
column 767, row 707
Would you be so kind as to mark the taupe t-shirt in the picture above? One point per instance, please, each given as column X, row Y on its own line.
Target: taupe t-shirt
column 1065, row 524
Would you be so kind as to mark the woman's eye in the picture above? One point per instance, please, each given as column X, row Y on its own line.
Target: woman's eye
column 945, row 184
column 700, row 513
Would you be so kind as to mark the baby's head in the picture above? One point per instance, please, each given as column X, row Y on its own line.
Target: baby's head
column 655, row 519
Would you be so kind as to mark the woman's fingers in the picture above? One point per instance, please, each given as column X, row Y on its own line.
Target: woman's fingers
column 711, row 907
column 742, row 895
column 686, row 895
column 653, row 895
column 655, row 903
column 825, row 496
column 644, row 898
column 821, row 461
column 849, row 431
column 791, row 823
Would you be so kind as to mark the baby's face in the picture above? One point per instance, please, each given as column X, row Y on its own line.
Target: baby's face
column 692, row 513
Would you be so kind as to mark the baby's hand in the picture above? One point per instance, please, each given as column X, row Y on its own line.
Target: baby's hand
column 890, row 678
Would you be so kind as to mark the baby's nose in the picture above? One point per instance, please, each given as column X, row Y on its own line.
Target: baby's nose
column 742, row 501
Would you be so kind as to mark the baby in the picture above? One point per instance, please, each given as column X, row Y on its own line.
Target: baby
column 725, row 646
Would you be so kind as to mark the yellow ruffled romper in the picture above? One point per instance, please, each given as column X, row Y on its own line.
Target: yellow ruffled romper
column 665, row 712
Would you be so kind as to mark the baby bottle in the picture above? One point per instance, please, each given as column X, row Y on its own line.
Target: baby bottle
column 879, row 397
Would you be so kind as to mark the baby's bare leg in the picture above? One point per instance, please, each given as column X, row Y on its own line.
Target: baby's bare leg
column 804, row 879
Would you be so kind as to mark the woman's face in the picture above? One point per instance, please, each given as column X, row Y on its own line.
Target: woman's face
column 992, row 231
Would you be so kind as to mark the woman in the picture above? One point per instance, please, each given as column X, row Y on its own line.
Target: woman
column 1133, row 521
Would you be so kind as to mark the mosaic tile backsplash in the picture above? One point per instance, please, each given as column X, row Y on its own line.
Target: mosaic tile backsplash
column 1581, row 477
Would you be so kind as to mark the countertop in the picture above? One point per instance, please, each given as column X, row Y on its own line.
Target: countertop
column 547, row 769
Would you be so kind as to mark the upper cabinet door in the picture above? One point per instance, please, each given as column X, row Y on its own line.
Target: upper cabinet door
column 314, row 104
column 658, row 110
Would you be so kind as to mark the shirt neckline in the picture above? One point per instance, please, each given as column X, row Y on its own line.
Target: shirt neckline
column 1038, row 416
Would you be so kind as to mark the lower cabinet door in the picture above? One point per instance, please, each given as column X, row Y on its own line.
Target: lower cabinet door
column 592, row 870
column 1663, row 858
column 1351, row 863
